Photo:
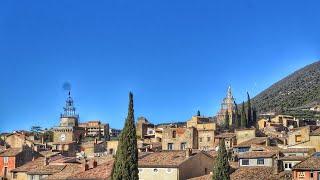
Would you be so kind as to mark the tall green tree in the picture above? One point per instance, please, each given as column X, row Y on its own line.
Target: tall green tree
column 221, row 167
column 126, row 160
column 244, row 122
column 226, row 120
column 198, row 113
column 237, row 122
column 249, row 111
column 254, row 115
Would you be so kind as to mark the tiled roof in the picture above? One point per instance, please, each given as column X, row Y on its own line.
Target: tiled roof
column 162, row 159
column 101, row 172
column 293, row 158
column 247, row 173
column 11, row 152
column 256, row 173
column 256, row 154
column 226, row 135
column 30, row 165
column 256, row 140
column 297, row 150
column 310, row 163
column 265, row 148
column 47, row 170
column 69, row 170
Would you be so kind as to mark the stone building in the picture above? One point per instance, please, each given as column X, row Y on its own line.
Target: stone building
column 12, row 158
column 68, row 134
column 304, row 137
column 95, row 129
column 174, row 165
column 227, row 105
column 179, row 138
column 206, row 129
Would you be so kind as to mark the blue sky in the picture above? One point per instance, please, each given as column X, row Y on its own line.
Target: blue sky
column 176, row 56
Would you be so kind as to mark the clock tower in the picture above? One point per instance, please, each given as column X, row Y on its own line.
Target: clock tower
column 68, row 134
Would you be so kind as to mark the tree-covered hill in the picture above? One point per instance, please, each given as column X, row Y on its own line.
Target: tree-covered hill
column 299, row 89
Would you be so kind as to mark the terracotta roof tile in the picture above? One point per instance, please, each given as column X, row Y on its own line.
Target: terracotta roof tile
column 101, row 172
column 256, row 173
column 47, row 170
column 30, row 165
column 256, row 154
column 69, row 170
column 162, row 159
column 11, row 152
column 310, row 163
column 256, row 140
column 298, row 150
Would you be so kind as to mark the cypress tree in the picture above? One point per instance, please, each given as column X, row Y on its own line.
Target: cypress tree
column 237, row 120
column 126, row 160
column 198, row 113
column 243, row 117
column 249, row 111
column 221, row 166
column 254, row 115
column 226, row 120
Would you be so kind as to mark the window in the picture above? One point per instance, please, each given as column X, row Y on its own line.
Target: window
column 6, row 159
column 200, row 139
column 285, row 165
column 245, row 162
column 174, row 134
column 5, row 172
column 260, row 161
column 298, row 138
column 170, row 146
column 311, row 174
column 205, row 171
column 208, row 139
column 290, row 165
column 183, row 146
column 14, row 175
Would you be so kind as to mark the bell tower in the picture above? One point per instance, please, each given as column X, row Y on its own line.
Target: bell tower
column 69, row 117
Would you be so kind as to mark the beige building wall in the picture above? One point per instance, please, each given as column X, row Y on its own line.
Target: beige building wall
column 112, row 147
column 299, row 136
column 21, row 176
column 245, row 135
column 14, row 141
column 196, row 166
column 177, row 136
column 158, row 174
column 206, row 139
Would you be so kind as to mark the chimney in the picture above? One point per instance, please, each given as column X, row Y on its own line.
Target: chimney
column 95, row 141
column 188, row 152
column 277, row 167
column 94, row 164
column 46, row 161
column 85, row 166
column 268, row 141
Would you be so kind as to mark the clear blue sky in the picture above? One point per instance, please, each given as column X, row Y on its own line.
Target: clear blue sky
column 176, row 56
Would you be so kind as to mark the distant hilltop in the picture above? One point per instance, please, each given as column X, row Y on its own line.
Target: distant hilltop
column 300, row 91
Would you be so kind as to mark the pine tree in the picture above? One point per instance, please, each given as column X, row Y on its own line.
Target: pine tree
column 198, row 113
column 236, row 119
column 226, row 120
column 221, row 166
column 249, row 111
column 126, row 160
column 244, row 122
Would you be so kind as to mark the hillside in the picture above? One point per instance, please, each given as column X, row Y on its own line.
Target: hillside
column 296, row 91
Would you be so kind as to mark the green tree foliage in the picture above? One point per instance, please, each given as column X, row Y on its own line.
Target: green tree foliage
column 198, row 113
column 294, row 92
column 126, row 160
column 226, row 120
column 244, row 122
column 36, row 130
column 221, row 168
column 249, row 111
column 48, row 136
column 254, row 115
column 237, row 122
